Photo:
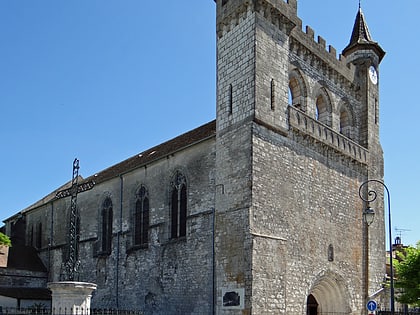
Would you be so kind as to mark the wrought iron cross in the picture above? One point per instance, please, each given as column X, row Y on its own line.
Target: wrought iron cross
column 71, row 267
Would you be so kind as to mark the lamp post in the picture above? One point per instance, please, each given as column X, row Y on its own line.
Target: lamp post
column 368, row 214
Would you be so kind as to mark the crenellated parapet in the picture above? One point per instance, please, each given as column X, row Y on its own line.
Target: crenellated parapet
column 279, row 12
column 323, row 135
column 303, row 45
column 316, row 54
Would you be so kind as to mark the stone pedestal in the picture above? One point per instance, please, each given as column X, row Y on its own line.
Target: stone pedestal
column 70, row 297
column 4, row 254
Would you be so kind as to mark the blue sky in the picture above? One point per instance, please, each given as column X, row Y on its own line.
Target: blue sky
column 102, row 80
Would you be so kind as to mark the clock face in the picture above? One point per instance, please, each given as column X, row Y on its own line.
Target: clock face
column 373, row 75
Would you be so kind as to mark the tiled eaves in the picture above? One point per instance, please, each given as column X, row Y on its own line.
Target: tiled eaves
column 181, row 142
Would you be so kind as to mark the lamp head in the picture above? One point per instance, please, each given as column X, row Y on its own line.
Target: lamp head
column 368, row 215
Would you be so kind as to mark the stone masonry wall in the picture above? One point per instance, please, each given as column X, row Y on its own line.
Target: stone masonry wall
column 302, row 204
column 235, row 108
column 169, row 276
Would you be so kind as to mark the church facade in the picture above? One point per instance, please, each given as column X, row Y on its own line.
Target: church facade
column 256, row 212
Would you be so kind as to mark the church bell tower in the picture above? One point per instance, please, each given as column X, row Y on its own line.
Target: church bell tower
column 252, row 80
column 297, row 132
column 366, row 55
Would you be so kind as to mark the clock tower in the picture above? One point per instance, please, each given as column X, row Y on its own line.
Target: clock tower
column 366, row 55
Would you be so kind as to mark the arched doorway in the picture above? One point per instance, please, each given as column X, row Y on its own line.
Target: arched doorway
column 311, row 305
column 328, row 295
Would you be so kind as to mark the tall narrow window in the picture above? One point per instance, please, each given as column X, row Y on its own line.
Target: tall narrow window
column 141, row 229
column 230, row 99
column 273, row 98
column 106, row 216
column 39, row 236
column 330, row 253
column 179, row 206
column 31, row 237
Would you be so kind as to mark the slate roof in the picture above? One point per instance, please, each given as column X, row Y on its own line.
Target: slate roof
column 181, row 142
column 361, row 37
column 360, row 32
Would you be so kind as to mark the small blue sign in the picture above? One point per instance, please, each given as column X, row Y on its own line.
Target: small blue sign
column 371, row 305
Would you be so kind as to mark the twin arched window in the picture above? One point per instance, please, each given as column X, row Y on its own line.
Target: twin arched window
column 178, row 215
column 178, row 211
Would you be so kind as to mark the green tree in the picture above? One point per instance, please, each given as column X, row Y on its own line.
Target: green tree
column 5, row 240
column 407, row 268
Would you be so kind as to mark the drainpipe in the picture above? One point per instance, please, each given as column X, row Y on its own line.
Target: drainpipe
column 214, row 266
column 50, row 241
column 117, row 271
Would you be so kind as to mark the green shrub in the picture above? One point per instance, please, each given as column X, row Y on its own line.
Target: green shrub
column 5, row 240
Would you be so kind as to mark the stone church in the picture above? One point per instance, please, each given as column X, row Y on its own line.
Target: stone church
column 257, row 212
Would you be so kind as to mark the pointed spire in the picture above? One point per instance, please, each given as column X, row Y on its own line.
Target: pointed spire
column 360, row 30
column 361, row 36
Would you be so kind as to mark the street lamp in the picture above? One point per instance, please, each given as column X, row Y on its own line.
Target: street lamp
column 368, row 214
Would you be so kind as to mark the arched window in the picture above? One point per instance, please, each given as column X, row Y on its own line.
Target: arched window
column 346, row 121
column 323, row 108
column 141, row 217
column 297, row 91
column 179, row 206
column 106, row 220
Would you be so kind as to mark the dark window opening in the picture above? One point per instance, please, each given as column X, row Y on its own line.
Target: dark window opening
column 141, row 229
column 106, row 236
column 311, row 306
column 273, row 86
column 179, row 207
column 31, row 237
column 38, row 241
column 330, row 253
column 230, row 99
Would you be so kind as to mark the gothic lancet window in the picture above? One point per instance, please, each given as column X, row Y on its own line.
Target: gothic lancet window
column 178, row 206
column 141, row 217
column 106, row 231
